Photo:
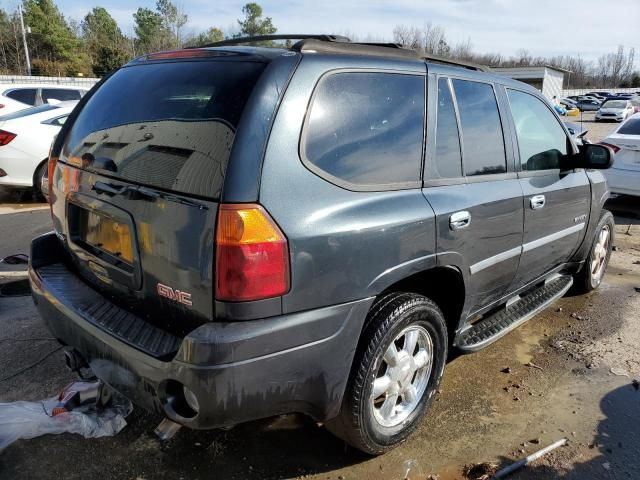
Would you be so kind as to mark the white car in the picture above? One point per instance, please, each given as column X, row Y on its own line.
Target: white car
column 624, row 175
column 19, row 96
column 25, row 138
column 617, row 110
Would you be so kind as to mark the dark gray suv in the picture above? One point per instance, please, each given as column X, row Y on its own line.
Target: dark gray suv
column 242, row 232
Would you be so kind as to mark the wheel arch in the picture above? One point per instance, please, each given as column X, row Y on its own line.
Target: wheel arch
column 442, row 284
column 35, row 172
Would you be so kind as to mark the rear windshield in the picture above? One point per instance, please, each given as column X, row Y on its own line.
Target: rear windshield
column 630, row 127
column 166, row 125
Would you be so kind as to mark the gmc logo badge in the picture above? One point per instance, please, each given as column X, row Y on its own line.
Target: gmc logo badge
column 183, row 298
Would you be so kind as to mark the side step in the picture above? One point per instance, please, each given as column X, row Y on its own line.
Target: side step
column 514, row 314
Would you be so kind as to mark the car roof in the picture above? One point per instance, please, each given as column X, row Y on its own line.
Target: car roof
column 11, row 86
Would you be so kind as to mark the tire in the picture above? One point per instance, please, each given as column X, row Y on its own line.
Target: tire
column 363, row 421
column 37, row 181
column 590, row 277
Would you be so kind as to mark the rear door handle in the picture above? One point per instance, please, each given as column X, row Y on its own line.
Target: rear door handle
column 537, row 202
column 459, row 220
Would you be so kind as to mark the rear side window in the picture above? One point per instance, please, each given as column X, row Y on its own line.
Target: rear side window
column 24, row 95
column 28, row 111
column 167, row 125
column 448, row 162
column 630, row 127
column 541, row 140
column 59, row 94
column 366, row 129
column 482, row 139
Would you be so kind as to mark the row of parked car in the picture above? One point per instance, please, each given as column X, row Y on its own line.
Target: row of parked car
column 608, row 106
column 30, row 117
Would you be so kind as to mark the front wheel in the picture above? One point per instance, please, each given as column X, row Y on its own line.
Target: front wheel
column 590, row 277
column 395, row 373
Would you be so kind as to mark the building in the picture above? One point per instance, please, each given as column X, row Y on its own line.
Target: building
column 549, row 80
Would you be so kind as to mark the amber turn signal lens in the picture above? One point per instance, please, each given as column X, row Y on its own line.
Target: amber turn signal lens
column 252, row 255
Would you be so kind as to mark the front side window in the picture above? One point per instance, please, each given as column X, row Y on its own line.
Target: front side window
column 541, row 140
column 482, row 139
column 366, row 129
column 448, row 162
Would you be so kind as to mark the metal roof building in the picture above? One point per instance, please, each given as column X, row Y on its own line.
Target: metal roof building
column 549, row 80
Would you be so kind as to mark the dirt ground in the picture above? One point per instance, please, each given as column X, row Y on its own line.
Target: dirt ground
column 567, row 373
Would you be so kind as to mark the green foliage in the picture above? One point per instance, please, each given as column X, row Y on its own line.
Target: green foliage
column 104, row 41
column 214, row 34
column 50, row 38
column 148, row 28
column 253, row 24
column 159, row 29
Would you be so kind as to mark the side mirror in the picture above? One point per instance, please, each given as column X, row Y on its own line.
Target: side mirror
column 595, row 156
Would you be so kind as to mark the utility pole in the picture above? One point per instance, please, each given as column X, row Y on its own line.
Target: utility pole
column 24, row 41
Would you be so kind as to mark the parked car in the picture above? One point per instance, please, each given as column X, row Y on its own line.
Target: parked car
column 17, row 97
column 25, row 138
column 588, row 105
column 635, row 102
column 602, row 95
column 617, row 110
column 255, row 233
column 576, row 98
column 567, row 104
column 577, row 132
column 624, row 175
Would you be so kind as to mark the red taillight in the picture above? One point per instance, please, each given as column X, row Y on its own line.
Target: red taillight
column 252, row 255
column 613, row 147
column 187, row 53
column 6, row 137
column 51, row 167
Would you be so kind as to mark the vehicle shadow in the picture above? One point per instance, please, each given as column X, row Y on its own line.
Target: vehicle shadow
column 625, row 208
column 614, row 452
column 18, row 196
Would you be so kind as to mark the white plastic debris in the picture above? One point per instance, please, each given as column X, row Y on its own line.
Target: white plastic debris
column 23, row 420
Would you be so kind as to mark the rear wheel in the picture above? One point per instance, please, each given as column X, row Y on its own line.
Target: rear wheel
column 38, row 178
column 590, row 277
column 396, row 371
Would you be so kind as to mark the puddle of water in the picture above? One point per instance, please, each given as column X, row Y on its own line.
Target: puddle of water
column 18, row 288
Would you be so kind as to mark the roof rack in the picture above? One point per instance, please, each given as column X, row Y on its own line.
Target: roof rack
column 267, row 38
column 342, row 44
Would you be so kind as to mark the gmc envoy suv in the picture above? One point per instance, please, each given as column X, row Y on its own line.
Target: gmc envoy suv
column 242, row 231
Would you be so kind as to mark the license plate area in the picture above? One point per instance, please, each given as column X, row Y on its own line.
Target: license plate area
column 103, row 239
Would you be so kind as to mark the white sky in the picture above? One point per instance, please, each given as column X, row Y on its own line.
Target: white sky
column 544, row 27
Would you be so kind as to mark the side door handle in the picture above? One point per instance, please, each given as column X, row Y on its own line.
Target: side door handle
column 459, row 220
column 537, row 202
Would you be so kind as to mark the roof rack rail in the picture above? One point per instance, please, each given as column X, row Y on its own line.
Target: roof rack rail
column 342, row 44
column 266, row 38
column 457, row 63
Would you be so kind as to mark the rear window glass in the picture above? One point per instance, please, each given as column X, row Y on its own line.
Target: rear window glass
column 366, row 129
column 167, row 125
column 482, row 140
column 24, row 95
column 630, row 127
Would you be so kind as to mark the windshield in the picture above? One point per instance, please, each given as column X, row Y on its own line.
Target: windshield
column 168, row 125
column 28, row 111
column 614, row 104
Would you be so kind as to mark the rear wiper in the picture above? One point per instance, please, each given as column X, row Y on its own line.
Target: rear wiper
column 102, row 187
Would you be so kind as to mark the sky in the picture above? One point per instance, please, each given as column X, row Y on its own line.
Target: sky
column 544, row 27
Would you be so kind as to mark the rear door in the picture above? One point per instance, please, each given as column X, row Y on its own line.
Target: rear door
column 471, row 185
column 139, row 178
column 556, row 199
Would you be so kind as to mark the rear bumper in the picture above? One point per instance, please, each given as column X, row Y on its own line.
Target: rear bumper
column 625, row 182
column 238, row 371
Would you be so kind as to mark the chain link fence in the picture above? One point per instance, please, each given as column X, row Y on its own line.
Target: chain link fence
column 63, row 81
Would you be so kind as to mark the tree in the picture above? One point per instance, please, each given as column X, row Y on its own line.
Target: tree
column 214, row 34
column 51, row 39
column 173, row 19
column 148, row 29
column 253, row 24
column 104, row 41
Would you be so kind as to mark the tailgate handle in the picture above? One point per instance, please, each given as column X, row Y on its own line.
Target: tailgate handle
column 102, row 187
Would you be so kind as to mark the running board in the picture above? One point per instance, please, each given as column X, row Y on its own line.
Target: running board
column 515, row 313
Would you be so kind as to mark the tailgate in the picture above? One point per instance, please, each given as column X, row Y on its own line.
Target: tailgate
column 136, row 188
